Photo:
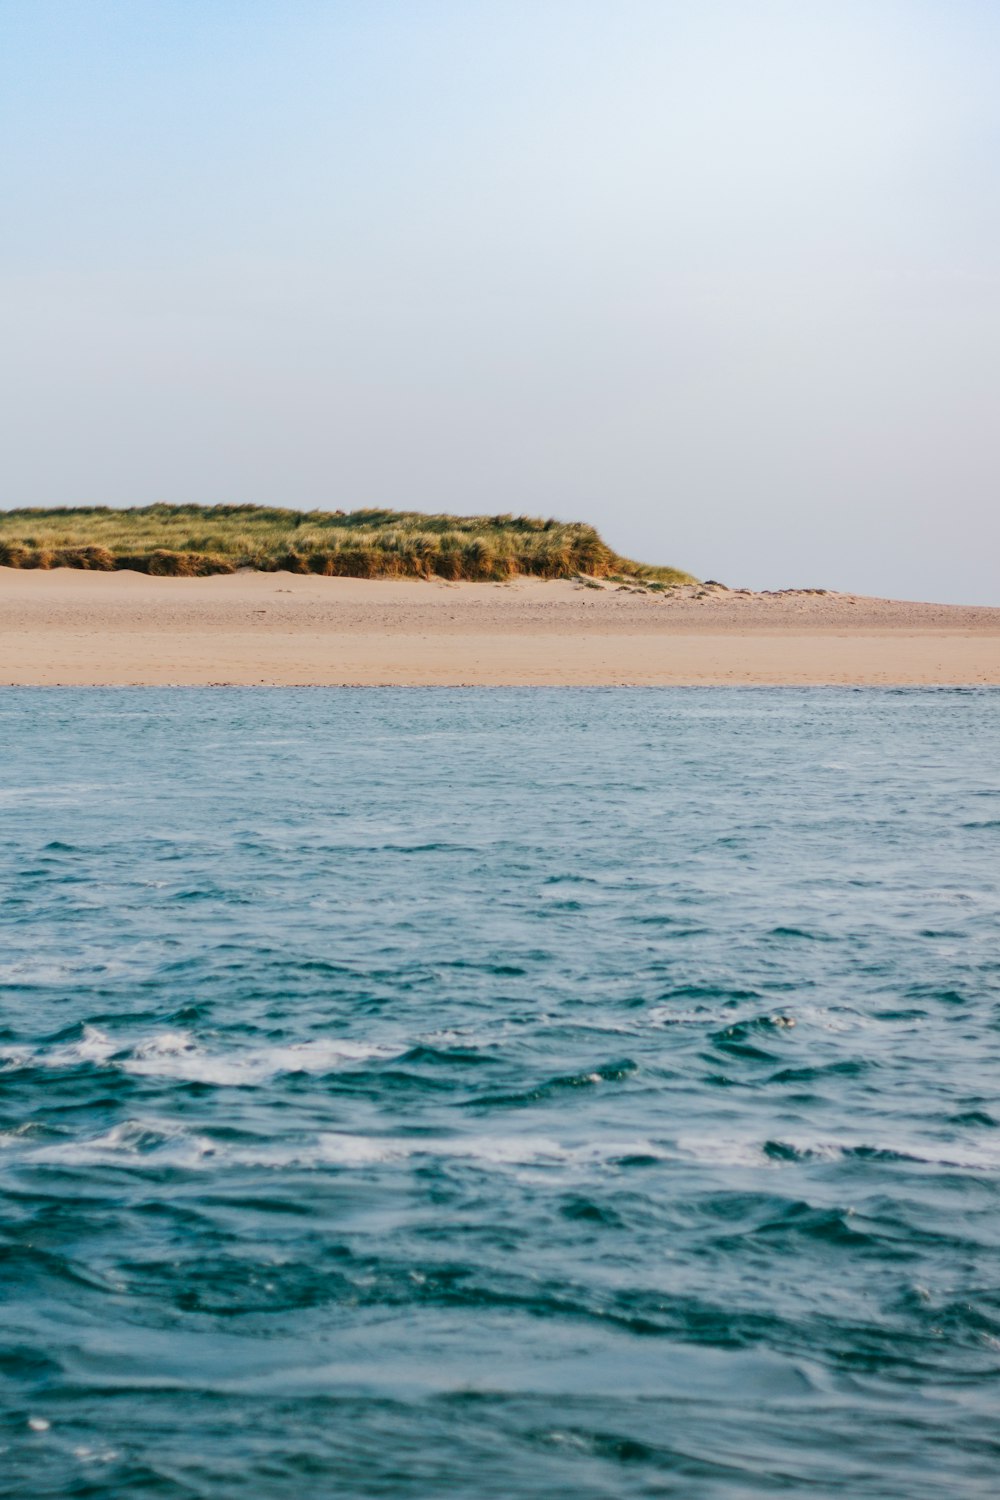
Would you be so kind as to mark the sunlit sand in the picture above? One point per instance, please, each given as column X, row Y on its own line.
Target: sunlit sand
column 76, row 628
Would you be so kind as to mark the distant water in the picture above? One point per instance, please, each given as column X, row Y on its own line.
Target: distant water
column 500, row 1093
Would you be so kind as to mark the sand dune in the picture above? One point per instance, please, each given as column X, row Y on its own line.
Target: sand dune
column 76, row 628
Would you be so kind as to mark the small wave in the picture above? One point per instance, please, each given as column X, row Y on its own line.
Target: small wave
column 612, row 1072
column 93, row 1046
column 170, row 1143
column 24, row 973
column 487, row 1150
column 149, row 1137
column 804, row 933
column 711, row 994
column 177, row 1055
column 959, row 1156
column 723, row 1152
column 836, row 1018
column 132, row 1139
column 665, row 1015
column 850, row 1067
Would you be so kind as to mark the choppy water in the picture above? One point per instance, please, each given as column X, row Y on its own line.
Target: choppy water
column 500, row 1093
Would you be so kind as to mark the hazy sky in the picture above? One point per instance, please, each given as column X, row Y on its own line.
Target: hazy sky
column 721, row 276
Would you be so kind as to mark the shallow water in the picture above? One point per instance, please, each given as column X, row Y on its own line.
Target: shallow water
column 500, row 1093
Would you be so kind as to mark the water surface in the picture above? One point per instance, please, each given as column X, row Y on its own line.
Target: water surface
column 499, row 1093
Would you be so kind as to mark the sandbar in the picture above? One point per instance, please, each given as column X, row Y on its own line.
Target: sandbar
column 65, row 627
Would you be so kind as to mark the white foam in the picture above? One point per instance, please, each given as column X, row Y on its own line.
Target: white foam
column 341, row 1148
column 177, row 1055
column 977, row 1157
column 491, row 1150
column 724, row 1151
column 96, row 1455
column 131, row 1139
column 355, row 1150
column 93, row 1046
column 23, row 971
column 166, row 1141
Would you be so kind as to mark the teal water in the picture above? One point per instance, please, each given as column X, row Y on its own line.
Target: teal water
column 499, row 1093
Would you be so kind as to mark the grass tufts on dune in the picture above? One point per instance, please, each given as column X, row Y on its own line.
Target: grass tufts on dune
column 194, row 540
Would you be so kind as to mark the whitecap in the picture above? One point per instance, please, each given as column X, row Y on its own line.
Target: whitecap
column 93, row 1045
column 176, row 1054
column 490, row 1150
column 135, row 1139
column 724, row 1151
column 130, row 1140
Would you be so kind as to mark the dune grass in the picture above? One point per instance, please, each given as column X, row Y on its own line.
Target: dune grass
column 194, row 540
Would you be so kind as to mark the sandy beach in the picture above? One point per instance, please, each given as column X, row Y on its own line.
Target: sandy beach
column 65, row 627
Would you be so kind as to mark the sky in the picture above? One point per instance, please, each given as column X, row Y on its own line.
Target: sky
column 720, row 276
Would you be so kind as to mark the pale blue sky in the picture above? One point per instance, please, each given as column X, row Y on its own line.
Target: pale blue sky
column 721, row 276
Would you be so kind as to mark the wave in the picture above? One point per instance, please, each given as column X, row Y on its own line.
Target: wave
column 143, row 1137
column 177, row 1055
column 139, row 1138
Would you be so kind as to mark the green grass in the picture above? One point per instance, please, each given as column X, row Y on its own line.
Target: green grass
column 192, row 540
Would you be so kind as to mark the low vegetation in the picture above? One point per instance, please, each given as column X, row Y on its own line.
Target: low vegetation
column 193, row 540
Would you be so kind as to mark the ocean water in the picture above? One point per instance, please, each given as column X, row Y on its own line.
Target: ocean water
column 499, row 1093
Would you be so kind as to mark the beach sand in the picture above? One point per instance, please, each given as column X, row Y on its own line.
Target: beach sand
column 65, row 627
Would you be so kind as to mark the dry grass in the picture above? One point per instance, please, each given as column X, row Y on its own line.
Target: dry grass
column 191, row 540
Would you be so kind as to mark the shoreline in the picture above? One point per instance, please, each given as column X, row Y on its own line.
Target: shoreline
column 72, row 628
